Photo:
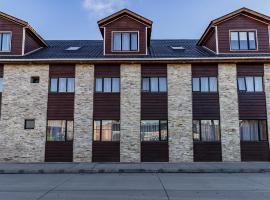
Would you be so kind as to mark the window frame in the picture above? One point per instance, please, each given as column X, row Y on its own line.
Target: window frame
column 253, row 77
column 100, row 130
column 66, row 123
column 259, row 135
column 102, row 85
column 25, row 122
column 129, row 32
column 159, row 129
column 248, row 41
column 149, row 83
column 200, row 88
column 58, row 84
column 1, row 40
column 200, row 130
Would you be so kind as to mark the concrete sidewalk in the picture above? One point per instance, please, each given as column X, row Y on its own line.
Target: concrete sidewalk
column 73, row 168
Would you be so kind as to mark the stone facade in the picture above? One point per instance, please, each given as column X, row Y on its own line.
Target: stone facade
column 267, row 94
column 23, row 100
column 229, row 115
column 83, row 114
column 130, row 113
column 180, row 113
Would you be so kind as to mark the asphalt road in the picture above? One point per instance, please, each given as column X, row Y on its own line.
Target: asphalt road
column 135, row 186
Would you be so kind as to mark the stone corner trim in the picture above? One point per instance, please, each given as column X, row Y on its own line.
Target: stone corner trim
column 229, row 114
column 267, row 94
column 180, row 113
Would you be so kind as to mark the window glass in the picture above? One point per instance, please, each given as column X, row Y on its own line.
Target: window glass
column 97, row 124
column 163, row 130
column 54, row 84
column 252, row 40
column 98, row 84
column 134, row 41
column 263, row 130
column 115, row 130
column 243, row 40
column 115, row 84
column 56, row 130
column 241, row 84
column 70, row 131
column 196, row 84
column 29, row 124
column 117, row 41
column 62, row 84
column 107, row 85
column 249, row 130
column 106, row 130
column 162, row 84
column 196, row 129
column 154, row 84
column 258, row 84
column 146, row 84
column 1, row 84
column 5, row 45
column 213, row 84
column 150, row 130
column 71, row 84
column 250, row 84
column 204, row 84
column 234, row 41
column 125, row 41
column 209, row 130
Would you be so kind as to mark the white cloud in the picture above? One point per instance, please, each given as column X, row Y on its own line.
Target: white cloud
column 103, row 7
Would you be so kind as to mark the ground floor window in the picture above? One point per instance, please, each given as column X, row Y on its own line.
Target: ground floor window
column 154, row 130
column 206, row 130
column 106, row 130
column 60, row 130
column 253, row 130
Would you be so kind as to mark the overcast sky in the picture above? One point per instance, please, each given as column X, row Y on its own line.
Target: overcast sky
column 77, row 19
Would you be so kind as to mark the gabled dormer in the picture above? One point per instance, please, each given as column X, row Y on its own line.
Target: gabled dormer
column 17, row 37
column 242, row 31
column 125, row 32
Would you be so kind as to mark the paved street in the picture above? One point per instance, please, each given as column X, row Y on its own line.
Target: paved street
column 134, row 186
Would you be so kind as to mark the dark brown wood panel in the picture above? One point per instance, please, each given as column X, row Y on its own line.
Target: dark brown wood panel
column 255, row 151
column 250, row 69
column 210, row 41
column 207, row 151
column 205, row 105
column 154, row 70
column 60, row 106
column 154, row 105
column 31, row 42
column 241, row 22
column 199, row 70
column 107, row 106
column 252, row 105
column 154, row 152
column 62, row 70
column 106, row 152
column 110, row 70
column 1, row 70
column 59, row 152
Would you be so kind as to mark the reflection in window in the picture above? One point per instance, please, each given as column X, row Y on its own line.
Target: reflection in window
column 206, row 130
column 1, row 84
column 204, row 84
column 125, row 41
column 5, row 42
column 60, row 130
column 243, row 40
column 106, row 130
column 253, row 130
column 154, row 130
column 154, row 84
column 107, row 85
column 250, row 84
column 62, row 85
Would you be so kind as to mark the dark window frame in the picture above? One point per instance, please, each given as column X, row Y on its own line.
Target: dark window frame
column 159, row 120
column 245, row 91
column 149, row 82
column 121, row 42
column 25, row 124
column 100, row 130
column 248, row 41
column 1, row 40
column 200, row 130
column 103, row 85
column 59, row 85
column 259, row 136
column 200, row 87
column 66, row 122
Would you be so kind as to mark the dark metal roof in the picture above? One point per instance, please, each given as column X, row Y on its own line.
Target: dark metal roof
column 93, row 49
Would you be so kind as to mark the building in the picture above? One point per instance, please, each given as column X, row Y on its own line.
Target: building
column 129, row 98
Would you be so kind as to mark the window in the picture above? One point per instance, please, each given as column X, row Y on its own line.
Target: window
column 5, row 42
column 72, row 48
column 206, row 130
column 154, row 84
column 243, row 40
column 125, row 41
column 204, row 84
column 154, row 130
column 107, row 130
column 1, row 84
column 107, row 85
column 253, row 130
column 62, row 85
column 60, row 130
column 29, row 124
column 250, row 84
column 34, row 79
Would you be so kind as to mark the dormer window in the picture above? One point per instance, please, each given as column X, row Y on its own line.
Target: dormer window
column 5, row 42
column 243, row 40
column 125, row 41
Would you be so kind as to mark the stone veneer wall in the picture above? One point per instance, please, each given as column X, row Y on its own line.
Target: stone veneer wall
column 180, row 113
column 229, row 115
column 23, row 100
column 267, row 94
column 83, row 114
column 130, row 113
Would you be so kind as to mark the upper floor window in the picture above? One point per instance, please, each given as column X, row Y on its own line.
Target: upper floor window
column 5, row 42
column 1, row 85
column 206, row 130
column 154, row 130
column 60, row 130
column 106, row 130
column 204, row 84
column 253, row 130
column 62, row 85
column 125, row 41
column 250, row 84
column 154, row 84
column 243, row 40
column 107, row 84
